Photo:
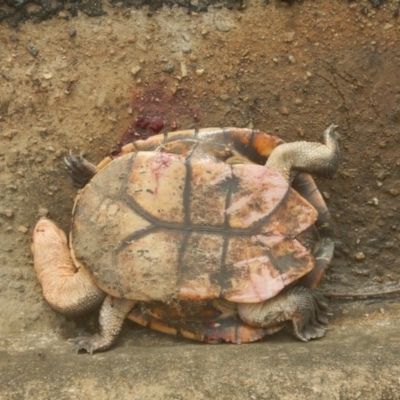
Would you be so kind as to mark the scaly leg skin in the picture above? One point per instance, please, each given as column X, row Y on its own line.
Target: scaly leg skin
column 314, row 158
column 82, row 171
column 112, row 315
column 66, row 288
column 306, row 309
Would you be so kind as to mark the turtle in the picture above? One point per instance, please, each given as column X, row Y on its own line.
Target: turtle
column 217, row 234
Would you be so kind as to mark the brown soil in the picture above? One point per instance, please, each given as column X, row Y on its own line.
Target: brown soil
column 287, row 70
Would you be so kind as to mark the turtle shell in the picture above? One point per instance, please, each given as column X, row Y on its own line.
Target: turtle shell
column 200, row 321
column 174, row 221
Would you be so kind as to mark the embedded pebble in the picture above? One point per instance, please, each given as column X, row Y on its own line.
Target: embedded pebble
column 224, row 97
column 43, row 212
column 300, row 132
column 135, row 70
column 222, row 26
column 47, row 75
column 72, row 31
column 169, row 67
column 20, row 287
column 284, row 111
column 199, row 72
column 360, row 272
column 292, row 59
column 33, row 50
column 360, row 256
column 183, row 70
column 288, row 37
column 22, row 229
column 8, row 213
column 326, row 195
column 345, row 311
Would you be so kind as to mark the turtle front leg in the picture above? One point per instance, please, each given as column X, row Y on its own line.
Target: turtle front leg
column 82, row 171
column 112, row 315
column 306, row 309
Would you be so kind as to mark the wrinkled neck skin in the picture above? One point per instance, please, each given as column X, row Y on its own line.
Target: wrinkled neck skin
column 321, row 159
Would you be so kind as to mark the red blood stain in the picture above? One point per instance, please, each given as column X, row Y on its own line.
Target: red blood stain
column 154, row 109
column 152, row 124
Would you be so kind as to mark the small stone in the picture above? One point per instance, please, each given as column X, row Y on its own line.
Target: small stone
column 9, row 213
column 62, row 14
column 326, row 195
column 223, row 26
column 72, row 32
column 300, row 132
column 199, row 72
column 360, row 256
column 394, row 192
column 10, row 133
column 43, row 212
column 284, row 111
column 298, row 101
column 22, row 229
column 292, row 59
column 33, row 50
column 135, row 70
column 131, row 39
column 275, row 60
column 375, row 201
column 345, row 311
column 20, row 287
column 224, row 97
column 192, row 58
column 288, row 37
column 183, row 70
column 169, row 67
column 47, row 75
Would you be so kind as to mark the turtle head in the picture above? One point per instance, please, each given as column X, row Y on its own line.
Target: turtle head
column 314, row 158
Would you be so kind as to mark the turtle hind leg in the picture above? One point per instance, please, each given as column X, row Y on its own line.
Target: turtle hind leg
column 306, row 309
column 112, row 315
column 82, row 171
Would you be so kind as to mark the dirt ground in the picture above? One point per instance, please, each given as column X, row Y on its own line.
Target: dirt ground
column 81, row 83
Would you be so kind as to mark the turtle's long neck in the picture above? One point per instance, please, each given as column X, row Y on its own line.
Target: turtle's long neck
column 321, row 159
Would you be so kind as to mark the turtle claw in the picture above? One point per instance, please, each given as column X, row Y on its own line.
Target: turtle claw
column 89, row 343
column 81, row 169
column 311, row 317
